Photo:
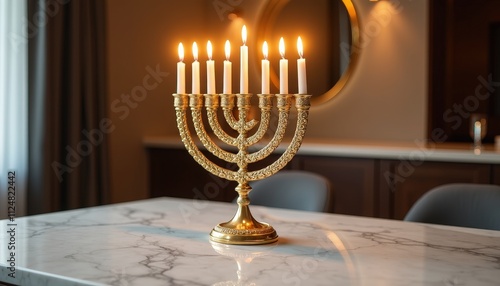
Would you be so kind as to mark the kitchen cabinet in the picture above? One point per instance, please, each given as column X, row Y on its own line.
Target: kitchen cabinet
column 368, row 180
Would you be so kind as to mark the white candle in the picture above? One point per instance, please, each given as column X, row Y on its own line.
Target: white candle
column 265, row 70
column 195, row 71
column 244, row 62
column 210, row 71
column 181, row 71
column 301, row 68
column 227, row 70
column 283, row 69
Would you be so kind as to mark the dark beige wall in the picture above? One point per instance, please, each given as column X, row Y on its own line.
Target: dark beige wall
column 385, row 98
column 142, row 48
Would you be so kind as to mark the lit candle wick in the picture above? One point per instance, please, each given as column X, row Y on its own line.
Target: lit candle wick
column 300, row 48
column 209, row 50
column 227, row 49
column 181, row 71
column 180, row 49
column 195, row 51
column 244, row 34
column 282, row 48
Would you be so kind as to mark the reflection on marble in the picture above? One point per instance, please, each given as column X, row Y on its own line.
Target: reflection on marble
column 165, row 242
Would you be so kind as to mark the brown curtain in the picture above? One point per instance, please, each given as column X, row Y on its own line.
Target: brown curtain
column 68, row 161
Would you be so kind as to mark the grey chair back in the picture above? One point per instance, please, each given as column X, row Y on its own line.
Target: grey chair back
column 300, row 190
column 467, row 205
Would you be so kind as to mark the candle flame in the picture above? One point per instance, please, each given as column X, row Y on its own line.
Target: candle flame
column 209, row 50
column 244, row 34
column 227, row 48
column 282, row 47
column 300, row 48
column 180, row 49
column 195, row 51
column 265, row 50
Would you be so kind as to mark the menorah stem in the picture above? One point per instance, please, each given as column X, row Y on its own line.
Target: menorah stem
column 243, row 228
column 243, row 104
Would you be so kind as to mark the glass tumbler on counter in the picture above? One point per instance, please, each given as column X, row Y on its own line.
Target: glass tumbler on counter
column 478, row 128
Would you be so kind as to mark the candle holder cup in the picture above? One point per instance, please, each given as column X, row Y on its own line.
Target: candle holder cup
column 242, row 228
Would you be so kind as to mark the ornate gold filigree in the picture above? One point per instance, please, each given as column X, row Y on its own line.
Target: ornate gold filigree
column 243, row 228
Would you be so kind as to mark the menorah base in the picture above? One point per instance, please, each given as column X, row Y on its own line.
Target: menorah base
column 243, row 229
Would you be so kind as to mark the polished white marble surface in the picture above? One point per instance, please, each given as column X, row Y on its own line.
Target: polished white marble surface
column 417, row 150
column 165, row 241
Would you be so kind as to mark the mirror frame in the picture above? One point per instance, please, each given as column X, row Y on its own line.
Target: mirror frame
column 266, row 21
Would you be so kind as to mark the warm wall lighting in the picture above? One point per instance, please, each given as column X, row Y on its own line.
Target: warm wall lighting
column 233, row 15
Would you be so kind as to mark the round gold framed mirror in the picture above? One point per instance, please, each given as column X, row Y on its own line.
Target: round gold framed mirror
column 329, row 30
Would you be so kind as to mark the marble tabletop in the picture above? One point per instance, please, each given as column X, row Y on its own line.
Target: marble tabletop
column 164, row 241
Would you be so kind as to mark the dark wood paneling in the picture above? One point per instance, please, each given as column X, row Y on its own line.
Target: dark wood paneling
column 496, row 174
column 365, row 187
column 402, row 184
column 462, row 59
column 174, row 172
column 353, row 182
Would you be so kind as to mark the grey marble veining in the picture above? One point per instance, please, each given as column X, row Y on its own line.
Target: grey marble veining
column 165, row 242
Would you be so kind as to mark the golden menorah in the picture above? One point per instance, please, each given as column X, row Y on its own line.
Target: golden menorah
column 242, row 228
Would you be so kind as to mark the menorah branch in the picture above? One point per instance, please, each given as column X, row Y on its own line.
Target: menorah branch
column 227, row 104
column 195, row 100
column 283, row 112
column 289, row 153
column 265, row 105
column 211, row 105
column 181, row 104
